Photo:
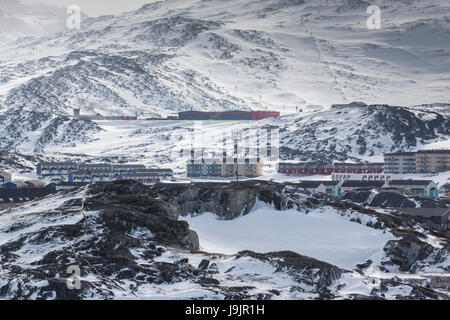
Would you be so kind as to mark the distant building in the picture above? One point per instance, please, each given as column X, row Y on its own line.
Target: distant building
column 147, row 178
column 400, row 162
column 127, row 168
column 422, row 161
column 69, row 185
column 95, row 172
column 10, row 185
column 162, row 172
column 431, row 161
column 90, row 176
column 55, row 168
column 311, row 186
column 78, row 176
column 4, row 177
column 195, row 170
column 18, row 195
column 35, row 184
column 312, row 168
column 242, row 168
column 350, row 185
column 227, row 115
column 304, row 168
column 98, row 116
column 358, row 168
column 90, row 167
column 15, row 184
column 425, row 188
column 232, row 168
column 100, row 175
column 436, row 216
column 212, row 168
column 331, row 188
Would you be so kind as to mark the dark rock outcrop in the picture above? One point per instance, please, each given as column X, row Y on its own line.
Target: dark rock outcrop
column 393, row 199
column 304, row 269
column 128, row 228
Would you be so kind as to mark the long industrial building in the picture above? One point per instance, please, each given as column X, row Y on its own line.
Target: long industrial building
column 227, row 115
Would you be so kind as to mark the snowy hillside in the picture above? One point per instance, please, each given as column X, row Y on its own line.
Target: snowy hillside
column 337, row 134
column 176, row 55
column 351, row 132
column 19, row 20
column 269, row 54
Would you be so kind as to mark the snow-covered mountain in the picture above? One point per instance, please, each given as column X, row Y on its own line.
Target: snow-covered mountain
column 354, row 131
column 361, row 130
column 214, row 55
column 20, row 20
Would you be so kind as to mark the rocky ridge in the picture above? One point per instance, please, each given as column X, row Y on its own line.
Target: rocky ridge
column 131, row 243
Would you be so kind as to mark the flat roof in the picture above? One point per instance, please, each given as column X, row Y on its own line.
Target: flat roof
column 91, row 172
column 226, row 112
column 142, row 174
column 434, row 151
column 128, row 166
column 93, row 165
column 409, row 182
column 330, row 183
column 308, row 184
column 424, row 212
column 400, row 154
column 53, row 163
column 142, row 170
column 306, row 164
column 363, row 183
column 71, row 184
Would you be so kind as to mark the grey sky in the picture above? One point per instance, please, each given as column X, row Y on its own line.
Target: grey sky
column 95, row 8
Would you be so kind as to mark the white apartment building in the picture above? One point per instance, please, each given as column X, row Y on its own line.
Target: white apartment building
column 400, row 162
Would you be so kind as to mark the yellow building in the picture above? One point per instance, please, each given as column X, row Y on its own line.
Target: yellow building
column 242, row 168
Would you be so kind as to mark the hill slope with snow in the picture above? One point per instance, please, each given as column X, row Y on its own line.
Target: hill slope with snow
column 275, row 54
column 21, row 20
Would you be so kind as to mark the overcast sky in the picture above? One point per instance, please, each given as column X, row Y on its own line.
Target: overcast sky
column 95, row 8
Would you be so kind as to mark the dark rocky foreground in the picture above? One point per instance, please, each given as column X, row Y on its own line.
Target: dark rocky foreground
column 132, row 243
column 393, row 199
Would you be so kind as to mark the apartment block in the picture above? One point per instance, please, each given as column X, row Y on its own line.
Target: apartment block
column 242, row 168
column 400, row 162
column 231, row 168
column 431, row 161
